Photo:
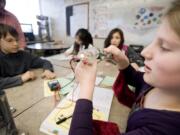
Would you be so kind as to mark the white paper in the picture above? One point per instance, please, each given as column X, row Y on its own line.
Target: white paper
column 102, row 100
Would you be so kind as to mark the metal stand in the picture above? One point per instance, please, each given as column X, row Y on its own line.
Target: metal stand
column 7, row 123
column 43, row 30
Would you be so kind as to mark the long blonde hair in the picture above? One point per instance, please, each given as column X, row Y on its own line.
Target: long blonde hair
column 173, row 16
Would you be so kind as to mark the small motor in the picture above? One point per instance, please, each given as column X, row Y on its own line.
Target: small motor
column 54, row 85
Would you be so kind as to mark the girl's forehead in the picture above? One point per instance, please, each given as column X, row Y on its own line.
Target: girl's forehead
column 166, row 32
column 116, row 33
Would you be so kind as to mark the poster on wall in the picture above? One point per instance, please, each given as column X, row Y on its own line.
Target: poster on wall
column 132, row 16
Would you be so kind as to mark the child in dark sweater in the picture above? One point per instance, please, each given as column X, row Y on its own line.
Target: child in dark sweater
column 16, row 65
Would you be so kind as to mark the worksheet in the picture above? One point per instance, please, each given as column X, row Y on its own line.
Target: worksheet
column 102, row 100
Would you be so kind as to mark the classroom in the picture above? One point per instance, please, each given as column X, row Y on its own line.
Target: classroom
column 89, row 67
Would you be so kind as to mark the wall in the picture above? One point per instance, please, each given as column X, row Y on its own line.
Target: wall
column 138, row 19
column 56, row 10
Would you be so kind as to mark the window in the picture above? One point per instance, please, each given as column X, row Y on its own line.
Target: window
column 25, row 11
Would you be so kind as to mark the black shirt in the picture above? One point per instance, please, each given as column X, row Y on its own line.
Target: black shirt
column 12, row 65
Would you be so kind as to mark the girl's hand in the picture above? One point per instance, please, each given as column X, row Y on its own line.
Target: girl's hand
column 86, row 75
column 121, row 59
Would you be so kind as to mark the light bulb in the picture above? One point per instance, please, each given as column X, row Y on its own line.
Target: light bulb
column 90, row 54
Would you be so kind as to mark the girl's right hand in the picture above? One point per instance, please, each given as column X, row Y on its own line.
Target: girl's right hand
column 86, row 75
column 121, row 59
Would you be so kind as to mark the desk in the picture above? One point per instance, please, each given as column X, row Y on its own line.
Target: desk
column 33, row 108
column 37, row 41
column 46, row 47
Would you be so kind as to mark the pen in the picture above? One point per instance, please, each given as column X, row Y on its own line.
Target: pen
column 63, row 119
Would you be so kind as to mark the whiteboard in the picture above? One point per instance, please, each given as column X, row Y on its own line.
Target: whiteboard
column 79, row 19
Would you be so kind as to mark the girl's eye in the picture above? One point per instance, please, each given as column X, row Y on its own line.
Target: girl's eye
column 163, row 48
column 161, row 44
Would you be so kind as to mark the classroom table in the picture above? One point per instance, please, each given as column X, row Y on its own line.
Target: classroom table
column 32, row 107
column 47, row 47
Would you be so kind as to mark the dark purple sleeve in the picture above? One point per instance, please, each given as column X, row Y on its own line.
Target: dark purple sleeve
column 141, row 131
column 82, row 118
column 82, row 121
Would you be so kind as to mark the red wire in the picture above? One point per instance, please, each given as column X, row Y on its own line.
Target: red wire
column 56, row 93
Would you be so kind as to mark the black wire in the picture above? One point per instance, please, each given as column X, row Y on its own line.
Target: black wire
column 29, row 107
